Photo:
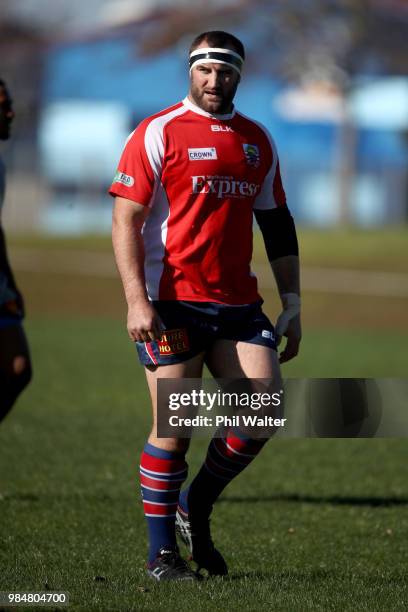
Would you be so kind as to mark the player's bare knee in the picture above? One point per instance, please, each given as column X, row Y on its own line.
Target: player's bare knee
column 21, row 371
column 19, row 365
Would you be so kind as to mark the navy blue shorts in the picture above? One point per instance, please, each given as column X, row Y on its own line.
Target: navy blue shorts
column 192, row 327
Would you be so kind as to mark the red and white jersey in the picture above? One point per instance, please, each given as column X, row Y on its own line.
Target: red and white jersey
column 202, row 175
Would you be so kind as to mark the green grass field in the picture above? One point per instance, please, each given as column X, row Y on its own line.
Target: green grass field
column 311, row 525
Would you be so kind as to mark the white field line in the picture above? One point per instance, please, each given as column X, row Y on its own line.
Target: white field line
column 317, row 279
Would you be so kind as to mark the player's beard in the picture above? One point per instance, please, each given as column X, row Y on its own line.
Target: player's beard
column 219, row 106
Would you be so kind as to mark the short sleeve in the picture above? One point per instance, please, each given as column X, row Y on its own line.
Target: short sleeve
column 272, row 194
column 140, row 165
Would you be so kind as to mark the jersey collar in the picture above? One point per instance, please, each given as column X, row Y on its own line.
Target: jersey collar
column 196, row 109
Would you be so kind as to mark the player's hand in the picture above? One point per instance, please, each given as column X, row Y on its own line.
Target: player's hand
column 143, row 322
column 293, row 334
column 288, row 325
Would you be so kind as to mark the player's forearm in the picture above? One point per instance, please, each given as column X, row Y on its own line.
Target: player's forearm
column 286, row 272
column 128, row 247
column 281, row 244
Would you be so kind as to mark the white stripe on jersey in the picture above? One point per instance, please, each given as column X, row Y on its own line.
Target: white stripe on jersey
column 155, row 235
column 155, row 227
column 154, row 144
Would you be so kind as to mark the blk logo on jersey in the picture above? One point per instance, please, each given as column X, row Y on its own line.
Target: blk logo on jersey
column 125, row 179
column 202, row 154
column 173, row 341
column 221, row 128
column 224, row 186
column 252, row 155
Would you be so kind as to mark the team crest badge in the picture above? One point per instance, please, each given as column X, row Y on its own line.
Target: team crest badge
column 252, row 155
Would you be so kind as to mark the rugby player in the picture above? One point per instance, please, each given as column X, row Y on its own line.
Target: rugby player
column 15, row 364
column 188, row 183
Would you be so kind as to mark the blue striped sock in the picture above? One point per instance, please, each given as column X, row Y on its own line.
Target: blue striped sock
column 161, row 475
column 226, row 458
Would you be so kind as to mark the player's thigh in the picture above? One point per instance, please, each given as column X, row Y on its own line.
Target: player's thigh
column 255, row 370
column 14, row 353
column 190, row 368
column 237, row 359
